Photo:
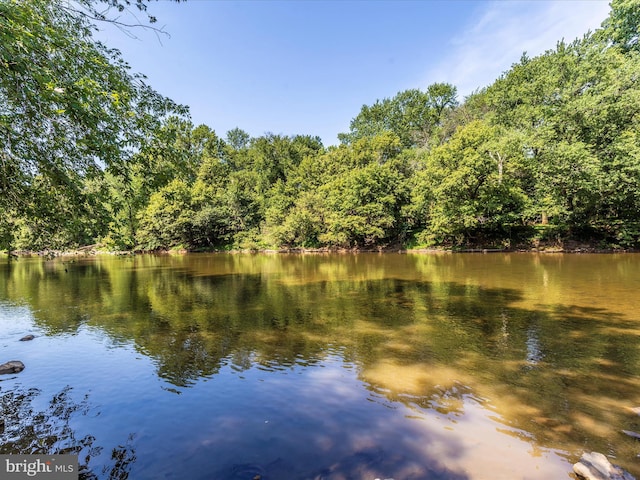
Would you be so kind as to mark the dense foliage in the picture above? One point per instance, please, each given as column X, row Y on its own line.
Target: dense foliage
column 90, row 153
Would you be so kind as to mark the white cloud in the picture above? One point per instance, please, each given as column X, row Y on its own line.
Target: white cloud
column 504, row 30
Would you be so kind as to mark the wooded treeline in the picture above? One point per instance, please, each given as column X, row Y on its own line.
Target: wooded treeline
column 90, row 153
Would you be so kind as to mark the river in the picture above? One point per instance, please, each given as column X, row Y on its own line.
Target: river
column 323, row 366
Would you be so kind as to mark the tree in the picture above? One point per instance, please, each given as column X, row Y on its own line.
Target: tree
column 301, row 222
column 238, row 139
column 362, row 201
column 274, row 157
column 167, row 219
column 174, row 150
column 101, row 11
column 623, row 24
column 441, row 96
column 363, row 207
column 471, row 187
column 56, row 221
column 68, row 104
column 411, row 115
column 89, row 151
column 574, row 107
column 212, row 222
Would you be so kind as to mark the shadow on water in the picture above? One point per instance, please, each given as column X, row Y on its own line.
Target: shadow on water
column 557, row 376
column 27, row 430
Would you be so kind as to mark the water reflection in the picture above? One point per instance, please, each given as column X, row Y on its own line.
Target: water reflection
column 27, row 430
column 547, row 347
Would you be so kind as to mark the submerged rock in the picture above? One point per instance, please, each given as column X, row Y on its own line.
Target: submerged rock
column 26, row 338
column 632, row 434
column 13, row 366
column 635, row 410
column 595, row 466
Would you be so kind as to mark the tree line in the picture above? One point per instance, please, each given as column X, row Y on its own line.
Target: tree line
column 92, row 154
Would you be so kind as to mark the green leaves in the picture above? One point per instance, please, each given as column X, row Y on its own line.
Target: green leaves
column 472, row 185
column 623, row 24
column 165, row 222
column 89, row 152
column 412, row 115
column 362, row 207
column 68, row 105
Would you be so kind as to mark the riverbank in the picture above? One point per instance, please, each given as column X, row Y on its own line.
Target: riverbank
column 571, row 246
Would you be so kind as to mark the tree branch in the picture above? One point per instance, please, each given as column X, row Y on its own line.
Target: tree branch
column 94, row 15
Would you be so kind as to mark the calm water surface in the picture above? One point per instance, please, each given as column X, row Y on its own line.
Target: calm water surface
column 337, row 367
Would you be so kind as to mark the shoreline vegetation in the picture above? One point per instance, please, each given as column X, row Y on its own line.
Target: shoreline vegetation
column 572, row 247
column 546, row 158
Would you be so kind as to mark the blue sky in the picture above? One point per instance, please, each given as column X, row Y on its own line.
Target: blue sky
column 307, row 67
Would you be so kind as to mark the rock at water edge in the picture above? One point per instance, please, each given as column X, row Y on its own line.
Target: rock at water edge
column 14, row 366
column 595, row 466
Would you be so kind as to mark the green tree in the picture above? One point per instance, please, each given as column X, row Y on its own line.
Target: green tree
column 303, row 223
column 471, row 188
column 173, row 150
column 623, row 24
column 412, row 115
column 574, row 107
column 275, row 157
column 363, row 207
column 212, row 222
column 238, row 139
column 167, row 219
column 68, row 104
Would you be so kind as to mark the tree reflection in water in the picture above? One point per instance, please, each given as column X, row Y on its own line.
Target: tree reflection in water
column 27, row 431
